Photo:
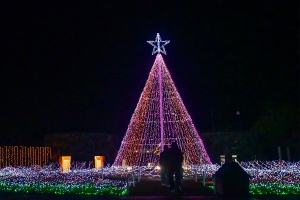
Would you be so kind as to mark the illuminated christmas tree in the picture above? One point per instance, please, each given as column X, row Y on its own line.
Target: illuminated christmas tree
column 160, row 118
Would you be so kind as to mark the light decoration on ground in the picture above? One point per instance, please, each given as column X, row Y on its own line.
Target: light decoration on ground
column 24, row 156
column 276, row 177
column 160, row 118
column 43, row 180
column 273, row 177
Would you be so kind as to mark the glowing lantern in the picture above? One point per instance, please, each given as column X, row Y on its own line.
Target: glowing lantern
column 65, row 163
column 99, row 162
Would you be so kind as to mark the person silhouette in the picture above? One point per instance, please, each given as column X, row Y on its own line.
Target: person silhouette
column 163, row 166
column 174, row 161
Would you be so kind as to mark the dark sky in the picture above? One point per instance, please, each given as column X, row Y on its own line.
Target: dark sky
column 69, row 66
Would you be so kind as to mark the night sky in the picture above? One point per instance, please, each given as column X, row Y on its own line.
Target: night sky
column 69, row 66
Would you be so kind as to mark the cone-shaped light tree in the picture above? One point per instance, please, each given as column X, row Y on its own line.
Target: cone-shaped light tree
column 160, row 118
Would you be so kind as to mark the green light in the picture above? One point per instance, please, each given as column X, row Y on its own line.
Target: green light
column 77, row 188
column 273, row 189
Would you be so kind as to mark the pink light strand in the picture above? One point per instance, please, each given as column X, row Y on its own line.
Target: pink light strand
column 152, row 125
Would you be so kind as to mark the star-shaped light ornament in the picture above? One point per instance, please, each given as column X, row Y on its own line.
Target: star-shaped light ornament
column 159, row 48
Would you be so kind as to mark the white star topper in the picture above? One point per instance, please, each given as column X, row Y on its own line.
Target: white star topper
column 159, row 48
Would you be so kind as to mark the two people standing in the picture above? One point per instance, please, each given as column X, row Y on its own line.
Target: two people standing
column 171, row 161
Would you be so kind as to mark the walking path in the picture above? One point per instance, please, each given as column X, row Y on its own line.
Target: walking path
column 152, row 187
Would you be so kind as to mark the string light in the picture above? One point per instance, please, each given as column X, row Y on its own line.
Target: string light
column 24, row 156
column 158, row 48
column 43, row 180
column 274, row 177
column 143, row 136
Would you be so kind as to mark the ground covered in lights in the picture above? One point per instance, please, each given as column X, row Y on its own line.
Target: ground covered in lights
column 273, row 177
column 267, row 178
column 275, row 189
column 82, row 183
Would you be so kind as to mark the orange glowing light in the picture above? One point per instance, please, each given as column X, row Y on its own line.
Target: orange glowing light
column 65, row 163
column 99, row 162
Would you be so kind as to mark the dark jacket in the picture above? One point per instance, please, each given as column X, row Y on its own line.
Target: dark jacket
column 174, row 157
column 162, row 158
